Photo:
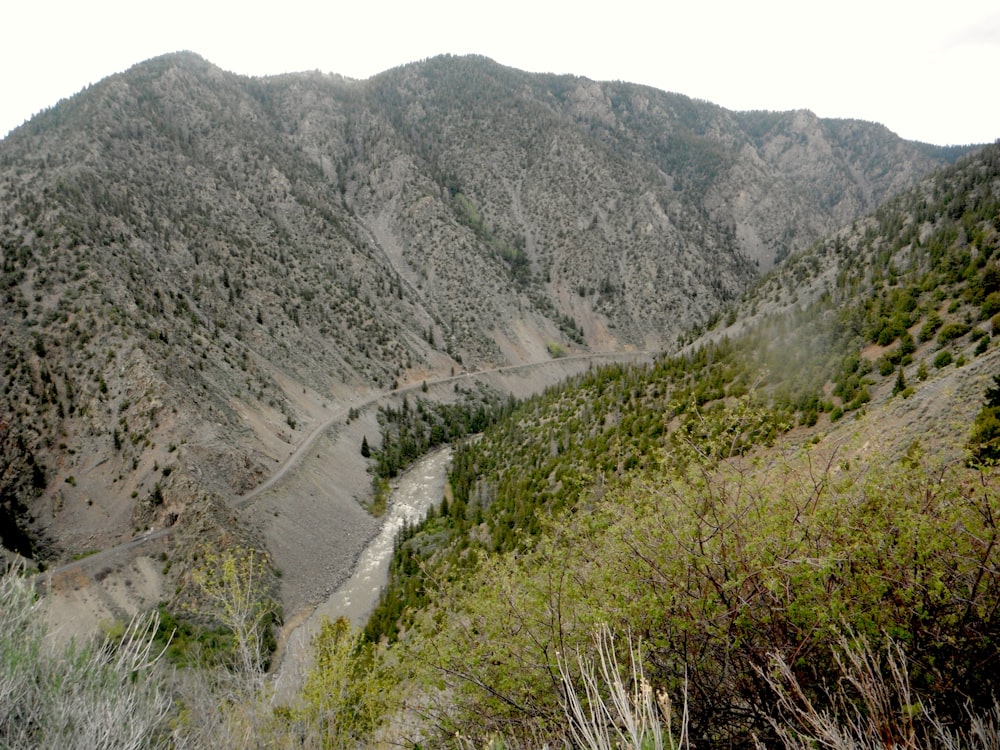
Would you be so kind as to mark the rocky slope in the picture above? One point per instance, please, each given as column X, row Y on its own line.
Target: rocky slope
column 197, row 266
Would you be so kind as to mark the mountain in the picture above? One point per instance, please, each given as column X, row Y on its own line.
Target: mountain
column 198, row 266
column 786, row 518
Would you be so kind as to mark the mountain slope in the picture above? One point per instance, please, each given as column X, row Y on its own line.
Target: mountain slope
column 197, row 266
column 803, row 472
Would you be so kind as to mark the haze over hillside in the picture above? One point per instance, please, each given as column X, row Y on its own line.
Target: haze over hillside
column 198, row 266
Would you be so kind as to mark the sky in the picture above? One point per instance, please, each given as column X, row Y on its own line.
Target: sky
column 929, row 71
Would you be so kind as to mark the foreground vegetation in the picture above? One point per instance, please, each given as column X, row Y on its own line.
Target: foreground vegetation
column 721, row 567
column 111, row 696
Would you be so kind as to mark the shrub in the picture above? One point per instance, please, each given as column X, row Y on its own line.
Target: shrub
column 991, row 305
column 110, row 696
column 632, row 716
column 900, row 385
column 942, row 359
column 951, row 331
column 984, row 442
column 722, row 565
column 930, row 326
column 860, row 399
column 234, row 585
column 346, row 692
column 906, row 344
column 874, row 707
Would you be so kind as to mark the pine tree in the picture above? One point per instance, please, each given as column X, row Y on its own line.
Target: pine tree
column 900, row 385
column 365, row 450
column 984, row 443
column 992, row 395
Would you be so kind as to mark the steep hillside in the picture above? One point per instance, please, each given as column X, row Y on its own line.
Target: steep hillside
column 197, row 266
column 802, row 472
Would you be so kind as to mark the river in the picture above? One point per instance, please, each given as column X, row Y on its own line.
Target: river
column 417, row 489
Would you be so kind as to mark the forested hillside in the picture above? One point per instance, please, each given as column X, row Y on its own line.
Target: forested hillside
column 797, row 479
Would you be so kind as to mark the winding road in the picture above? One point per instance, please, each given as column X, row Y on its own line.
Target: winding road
column 303, row 448
column 94, row 563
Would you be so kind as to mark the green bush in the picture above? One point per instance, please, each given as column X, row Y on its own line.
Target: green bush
column 942, row 359
column 930, row 326
column 984, row 443
column 720, row 566
column 990, row 306
column 346, row 692
column 951, row 331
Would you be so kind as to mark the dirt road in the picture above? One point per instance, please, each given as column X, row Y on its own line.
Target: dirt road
column 310, row 512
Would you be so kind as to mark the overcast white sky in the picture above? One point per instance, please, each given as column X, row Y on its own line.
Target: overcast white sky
column 929, row 71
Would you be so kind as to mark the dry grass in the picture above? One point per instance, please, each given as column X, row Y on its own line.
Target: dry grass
column 616, row 710
column 107, row 696
column 873, row 707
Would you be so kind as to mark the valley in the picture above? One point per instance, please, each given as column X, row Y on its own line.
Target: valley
column 421, row 487
column 308, row 512
column 186, row 291
column 716, row 391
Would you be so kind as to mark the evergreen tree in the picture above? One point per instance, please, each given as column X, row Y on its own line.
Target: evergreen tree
column 900, row 384
column 992, row 394
column 984, row 443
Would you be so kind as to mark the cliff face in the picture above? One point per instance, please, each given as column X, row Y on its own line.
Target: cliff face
column 196, row 264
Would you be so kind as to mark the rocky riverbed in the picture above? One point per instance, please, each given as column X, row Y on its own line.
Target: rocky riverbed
column 421, row 486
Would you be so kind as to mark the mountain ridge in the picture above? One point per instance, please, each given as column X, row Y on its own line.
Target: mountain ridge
column 202, row 272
